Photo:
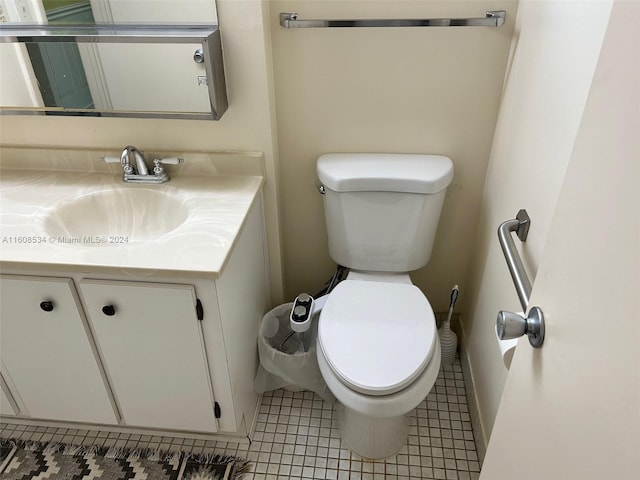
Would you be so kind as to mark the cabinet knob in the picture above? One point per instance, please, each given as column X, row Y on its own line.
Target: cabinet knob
column 109, row 310
column 47, row 305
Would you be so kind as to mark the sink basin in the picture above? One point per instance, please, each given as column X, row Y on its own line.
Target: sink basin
column 114, row 217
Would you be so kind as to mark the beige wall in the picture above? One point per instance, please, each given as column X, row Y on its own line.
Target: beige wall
column 422, row 90
column 407, row 90
column 547, row 83
column 249, row 124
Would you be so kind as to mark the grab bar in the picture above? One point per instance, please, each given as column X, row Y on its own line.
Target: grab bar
column 493, row 18
column 519, row 275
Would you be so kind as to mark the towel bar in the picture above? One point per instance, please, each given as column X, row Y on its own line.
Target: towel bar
column 493, row 18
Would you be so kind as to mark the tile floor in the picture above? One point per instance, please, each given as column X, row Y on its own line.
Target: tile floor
column 297, row 436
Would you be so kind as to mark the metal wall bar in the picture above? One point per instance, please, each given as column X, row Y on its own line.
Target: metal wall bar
column 493, row 18
column 105, row 33
column 520, row 225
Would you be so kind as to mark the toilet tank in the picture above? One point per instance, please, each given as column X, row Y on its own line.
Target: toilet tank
column 382, row 210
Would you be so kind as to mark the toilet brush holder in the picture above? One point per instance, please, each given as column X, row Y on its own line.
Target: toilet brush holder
column 448, row 343
column 448, row 338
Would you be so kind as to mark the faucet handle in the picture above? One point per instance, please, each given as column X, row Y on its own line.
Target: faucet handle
column 110, row 159
column 169, row 161
column 158, row 162
column 128, row 169
column 157, row 168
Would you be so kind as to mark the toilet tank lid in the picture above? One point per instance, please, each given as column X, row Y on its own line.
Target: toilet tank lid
column 384, row 172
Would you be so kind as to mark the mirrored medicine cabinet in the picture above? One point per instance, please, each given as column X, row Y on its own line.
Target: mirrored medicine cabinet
column 112, row 58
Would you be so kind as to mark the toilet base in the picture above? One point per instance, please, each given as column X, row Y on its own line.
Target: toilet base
column 373, row 426
column 372, row 437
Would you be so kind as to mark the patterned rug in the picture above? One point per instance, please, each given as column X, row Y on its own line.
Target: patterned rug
column 32, row 460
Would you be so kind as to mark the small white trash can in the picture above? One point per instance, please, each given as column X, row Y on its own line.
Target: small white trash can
column 288, row 358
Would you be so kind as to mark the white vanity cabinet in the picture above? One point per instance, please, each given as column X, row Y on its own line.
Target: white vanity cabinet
column 150, row 339
column 47, row 353
column 159, row 350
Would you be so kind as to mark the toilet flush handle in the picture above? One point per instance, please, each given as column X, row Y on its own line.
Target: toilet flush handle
column 512, row 325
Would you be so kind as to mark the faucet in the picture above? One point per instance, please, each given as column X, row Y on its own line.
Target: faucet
column 138, row 172
column 125, row 160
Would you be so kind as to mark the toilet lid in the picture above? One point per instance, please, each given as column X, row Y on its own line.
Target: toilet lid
column 377, row 337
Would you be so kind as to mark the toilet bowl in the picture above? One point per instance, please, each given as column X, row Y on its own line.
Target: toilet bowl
column 379, row 353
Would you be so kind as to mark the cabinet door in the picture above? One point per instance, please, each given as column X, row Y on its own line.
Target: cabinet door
column 151, row 342
column 48, row 353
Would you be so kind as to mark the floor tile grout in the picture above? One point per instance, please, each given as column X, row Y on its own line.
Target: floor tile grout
column 297, row 436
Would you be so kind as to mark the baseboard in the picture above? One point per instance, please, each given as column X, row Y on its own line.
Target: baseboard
column 254, row 421
column 239, row 437
column 479, row 433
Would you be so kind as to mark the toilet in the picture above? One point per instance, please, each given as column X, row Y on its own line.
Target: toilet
column 378, row 348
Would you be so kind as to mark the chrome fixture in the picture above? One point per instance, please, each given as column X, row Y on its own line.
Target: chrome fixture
column 491, row 19
column 512, row 325
column 519, row 275
column 140, row 172
column 125, row 159
column 508, row 324
column 198, row 56
column 208, row 53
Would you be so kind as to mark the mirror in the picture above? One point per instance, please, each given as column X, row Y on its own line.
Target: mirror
column 142, row 58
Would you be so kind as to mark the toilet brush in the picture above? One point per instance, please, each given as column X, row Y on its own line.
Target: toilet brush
column 448, row 338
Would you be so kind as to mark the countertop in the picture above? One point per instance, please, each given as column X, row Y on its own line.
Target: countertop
column 217, row 209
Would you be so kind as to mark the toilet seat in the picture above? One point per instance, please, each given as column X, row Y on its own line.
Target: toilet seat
column 377, row 337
